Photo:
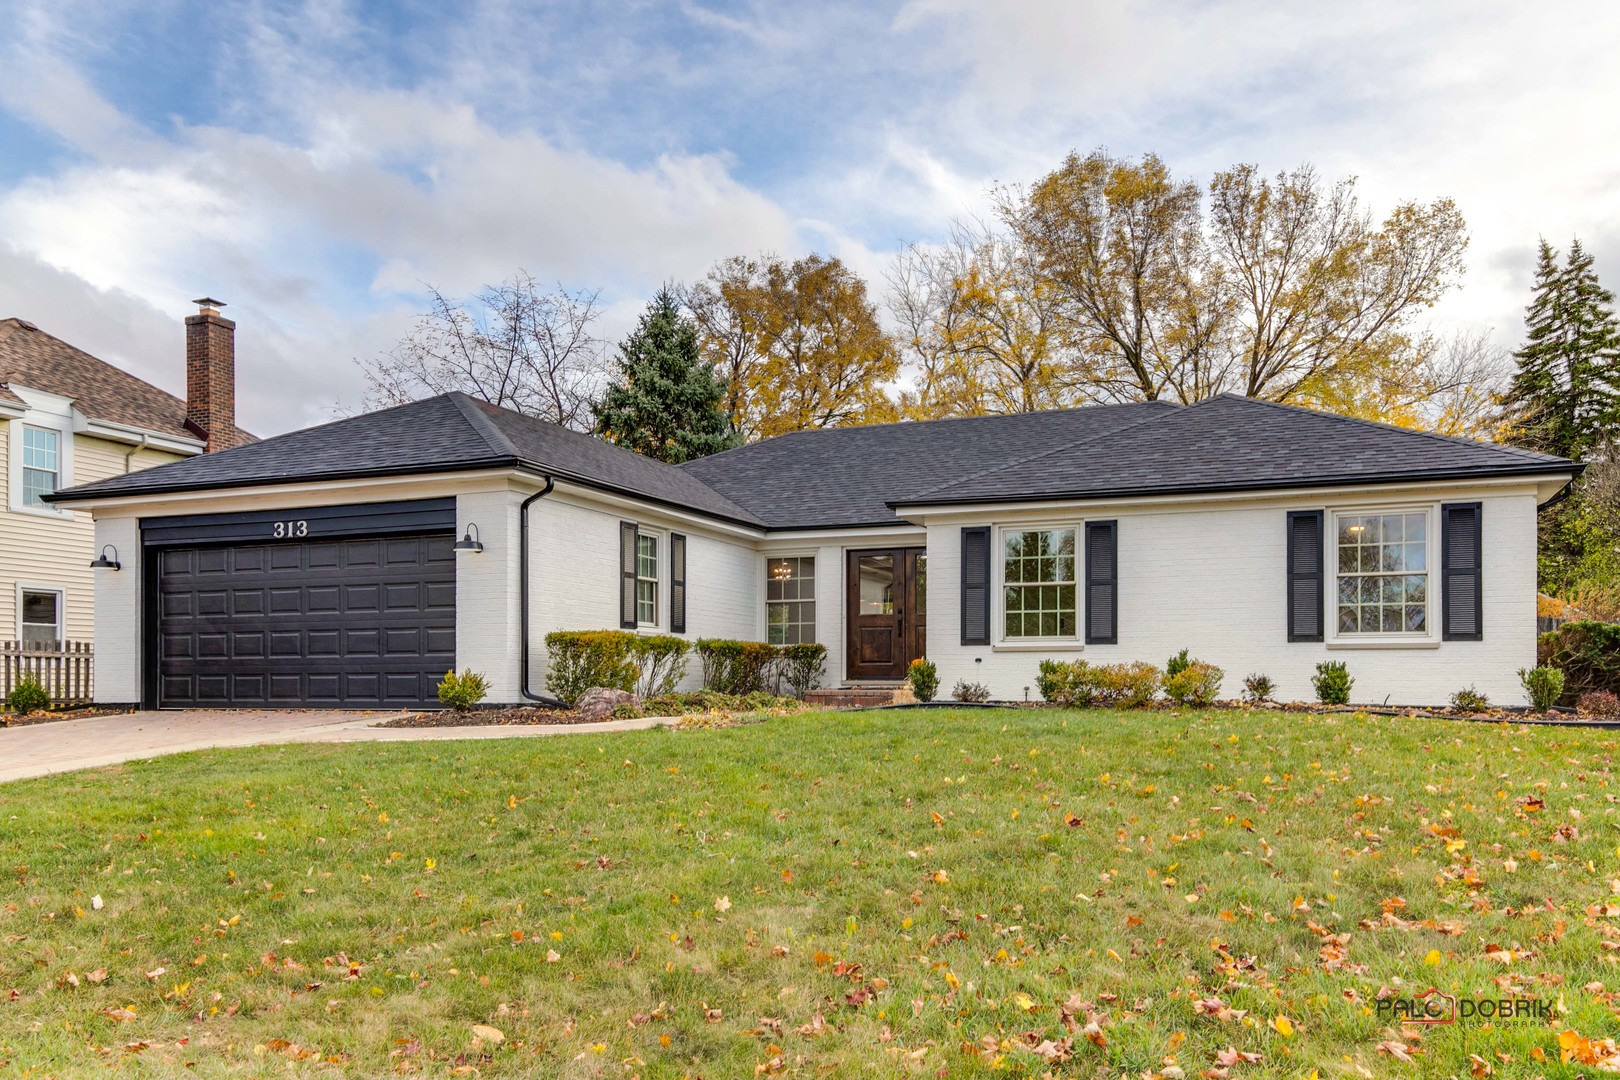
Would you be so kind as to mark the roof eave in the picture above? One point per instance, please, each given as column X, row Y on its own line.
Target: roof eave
column 1573, row 468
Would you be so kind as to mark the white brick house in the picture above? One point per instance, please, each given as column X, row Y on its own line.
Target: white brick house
column 349, row 565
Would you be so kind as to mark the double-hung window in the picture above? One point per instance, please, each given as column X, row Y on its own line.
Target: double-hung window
column 790, row 600
column 41, row 465
column 647, row 579
column 1038, row 583
column 1382, row 573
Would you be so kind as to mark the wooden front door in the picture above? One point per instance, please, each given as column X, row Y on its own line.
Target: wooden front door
column 886, row 604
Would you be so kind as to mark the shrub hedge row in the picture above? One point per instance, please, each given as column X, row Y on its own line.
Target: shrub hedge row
column 654, row 665
column 1587, row 652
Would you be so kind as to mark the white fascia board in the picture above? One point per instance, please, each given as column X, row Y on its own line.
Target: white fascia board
column 134, row 436
column 303, row 493
column 901, row 533
column 647, row 509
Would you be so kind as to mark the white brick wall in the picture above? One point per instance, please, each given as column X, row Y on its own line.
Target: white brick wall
column 118, row 614
column 1213, row 581
column 486, row 592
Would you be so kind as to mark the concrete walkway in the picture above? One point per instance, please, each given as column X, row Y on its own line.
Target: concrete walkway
column 41, row 749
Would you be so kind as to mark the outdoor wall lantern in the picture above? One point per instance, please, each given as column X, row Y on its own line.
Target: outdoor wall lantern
column 104, row 563
column 470, row 541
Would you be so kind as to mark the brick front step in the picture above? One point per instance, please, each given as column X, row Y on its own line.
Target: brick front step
column 859, row 697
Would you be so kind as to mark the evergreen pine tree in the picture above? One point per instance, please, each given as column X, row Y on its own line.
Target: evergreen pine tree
column 664, row 401
column 1565, row 395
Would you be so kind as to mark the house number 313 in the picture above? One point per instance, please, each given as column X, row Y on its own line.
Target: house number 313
column 285, row 529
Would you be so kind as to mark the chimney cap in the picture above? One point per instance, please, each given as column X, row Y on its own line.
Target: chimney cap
column 208, row 303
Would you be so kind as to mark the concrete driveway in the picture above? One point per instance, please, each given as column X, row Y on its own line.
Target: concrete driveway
column 41, row 749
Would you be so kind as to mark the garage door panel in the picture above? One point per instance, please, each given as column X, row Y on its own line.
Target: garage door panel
column 353, row 623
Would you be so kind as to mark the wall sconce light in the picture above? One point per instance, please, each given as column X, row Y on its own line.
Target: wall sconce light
column 104, row 563
column 470, row 541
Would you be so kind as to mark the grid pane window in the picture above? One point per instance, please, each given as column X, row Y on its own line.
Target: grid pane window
column 646, row 579
column 790, row 601
column 1038, row 579
column 1383, row 574
column 42, row 618
column 41, row 461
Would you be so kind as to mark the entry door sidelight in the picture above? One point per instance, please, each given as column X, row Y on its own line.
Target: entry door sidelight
column 883, row 587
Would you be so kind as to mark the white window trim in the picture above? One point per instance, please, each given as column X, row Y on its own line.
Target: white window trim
column 45, row 421
column 765, row 591
column 661, row 575
column 1430, row 638
column 61, row 607
column 1000, row 642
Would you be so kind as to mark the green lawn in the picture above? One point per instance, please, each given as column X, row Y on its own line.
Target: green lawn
column 928, row 893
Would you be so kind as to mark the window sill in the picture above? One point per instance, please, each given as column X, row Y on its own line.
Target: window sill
column 1385, row 643
column 43, row 512
column 1068, row 645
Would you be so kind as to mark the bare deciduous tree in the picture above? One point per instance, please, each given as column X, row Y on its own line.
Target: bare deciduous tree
column 513, row 345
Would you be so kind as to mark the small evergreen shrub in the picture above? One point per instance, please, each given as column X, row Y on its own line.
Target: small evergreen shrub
column 462, row 692
column 738, row 667
column 1599, row 705
column 28, row 696
column 1055, row 683
column 581, row 659
column 1078, row 682
column 661, row 660
column 1195, row 684
column 1258, row 688
column 1333, row 682
column 803, row 665
column 1470, row 700
column 974, row 692
column 1176, row 664
column 1543, row 685
column 924, row 677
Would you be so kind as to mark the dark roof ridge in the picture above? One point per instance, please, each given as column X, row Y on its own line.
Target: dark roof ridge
column 1150, row 415
column 480, row 422
column 1090, row 407
column 1456, row 440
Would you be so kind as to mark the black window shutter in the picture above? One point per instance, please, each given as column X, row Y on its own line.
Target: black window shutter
column 976, row 586
column 1461, row 565
column 1102, row 582
column 677, row 583
column 627, row 575
column 1305, row 575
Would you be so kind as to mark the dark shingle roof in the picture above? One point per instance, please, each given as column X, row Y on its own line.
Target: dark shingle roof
column 847, row 477
column 31, row 358
column 1234, row 443
column 843, row 477
column 448, row 433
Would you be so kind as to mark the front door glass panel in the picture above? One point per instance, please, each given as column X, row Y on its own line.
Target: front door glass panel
column 876, row 584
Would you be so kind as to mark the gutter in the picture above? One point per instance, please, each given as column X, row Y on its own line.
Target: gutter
column 523, row 597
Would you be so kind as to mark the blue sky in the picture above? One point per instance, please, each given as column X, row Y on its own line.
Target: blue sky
column 313, row 163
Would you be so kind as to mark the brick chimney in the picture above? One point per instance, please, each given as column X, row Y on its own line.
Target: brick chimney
column 211, row 375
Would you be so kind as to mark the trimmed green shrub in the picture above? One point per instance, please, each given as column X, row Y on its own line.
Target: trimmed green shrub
column 581, row 659
column 1587, row 652
column 1333, row 682
column 1176, row 664
column 1258, row 688
column 1470, row 700
column 803, row 665
column 28, row 696
column 1079, row 682
column 1543, row 685
column 1599, row 704
column 1195, row 684
column 738, row 667
column 661, row 663
column 462, row 692
column 924, row 677
column 975, row 692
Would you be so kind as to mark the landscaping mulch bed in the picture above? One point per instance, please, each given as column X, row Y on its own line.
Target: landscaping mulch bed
column 522, row 717
column 51, row 716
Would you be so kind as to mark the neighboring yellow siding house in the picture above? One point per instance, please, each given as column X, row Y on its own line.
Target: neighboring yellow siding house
column 46, row 552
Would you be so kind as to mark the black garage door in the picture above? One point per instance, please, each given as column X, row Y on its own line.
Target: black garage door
column 340, row 622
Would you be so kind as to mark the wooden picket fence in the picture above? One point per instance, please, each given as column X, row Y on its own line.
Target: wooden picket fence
column 67, row 673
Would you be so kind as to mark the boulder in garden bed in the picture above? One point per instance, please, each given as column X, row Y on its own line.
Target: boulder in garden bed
column 598, row 702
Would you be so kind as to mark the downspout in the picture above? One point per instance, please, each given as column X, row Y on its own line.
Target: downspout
column 1562, row 494
column 130, row 457
column 523, row 595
